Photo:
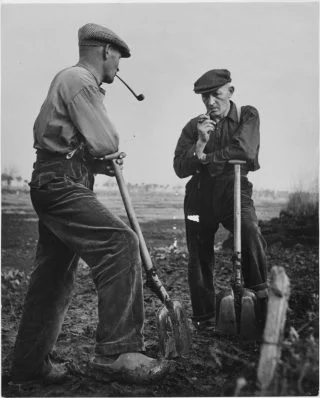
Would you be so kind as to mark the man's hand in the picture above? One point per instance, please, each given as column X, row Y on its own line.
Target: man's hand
column 119, row 161
column 205, row 126
column 105, row 164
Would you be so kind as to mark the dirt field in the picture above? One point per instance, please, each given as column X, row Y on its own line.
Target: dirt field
column 216, row 364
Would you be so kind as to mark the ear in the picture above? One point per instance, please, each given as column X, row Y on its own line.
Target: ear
column 108, row 47
column 106, row 51
column 231, row 91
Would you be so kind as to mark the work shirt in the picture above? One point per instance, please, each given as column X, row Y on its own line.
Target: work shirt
column 232, row 139
column 74, row 113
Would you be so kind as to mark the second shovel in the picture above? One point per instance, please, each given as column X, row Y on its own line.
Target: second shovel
column 236, row 306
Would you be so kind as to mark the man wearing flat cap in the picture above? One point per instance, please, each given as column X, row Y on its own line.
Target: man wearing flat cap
column 72, row 136
column 207, row 142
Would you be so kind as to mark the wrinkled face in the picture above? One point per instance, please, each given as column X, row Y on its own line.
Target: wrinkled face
column 217, row 102
column 111, row 64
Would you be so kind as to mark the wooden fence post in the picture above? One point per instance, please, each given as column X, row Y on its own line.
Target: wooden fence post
column 279, row 292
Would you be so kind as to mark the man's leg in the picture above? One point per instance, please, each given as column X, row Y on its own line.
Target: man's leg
column 74, row 221
column 255, row 265
column 253, row 245
column 111, row 249
column 253, row 254
column 200, row 241
column 46, row 303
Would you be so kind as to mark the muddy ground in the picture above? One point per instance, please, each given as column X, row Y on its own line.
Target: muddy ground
column 216, row 365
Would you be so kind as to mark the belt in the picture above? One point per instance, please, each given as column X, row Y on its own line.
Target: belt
column 43, row 154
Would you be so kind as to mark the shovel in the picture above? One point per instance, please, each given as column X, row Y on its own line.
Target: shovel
column 236, row 306
column 173, row 329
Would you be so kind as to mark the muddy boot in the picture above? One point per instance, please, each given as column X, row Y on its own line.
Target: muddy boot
column 133, row 367
column 57, row 375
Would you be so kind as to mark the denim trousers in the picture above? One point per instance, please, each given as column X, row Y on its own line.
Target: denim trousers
column 216, row 201
column 73, row 224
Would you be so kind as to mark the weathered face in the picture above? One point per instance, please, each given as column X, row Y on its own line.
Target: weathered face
column 217, row 102
column 111, row 64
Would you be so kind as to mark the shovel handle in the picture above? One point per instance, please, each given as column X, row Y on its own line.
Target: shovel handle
column 112, row 156
column 236, row 161
column 237, row 203
column 131, row 215
column 152, row 277
column 237, row 208
column 237, row 218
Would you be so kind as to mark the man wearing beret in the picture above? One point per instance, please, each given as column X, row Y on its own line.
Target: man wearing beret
column 205, row 146
column 72, row 135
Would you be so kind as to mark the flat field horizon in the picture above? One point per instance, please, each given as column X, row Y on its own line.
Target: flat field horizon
column 149, row 205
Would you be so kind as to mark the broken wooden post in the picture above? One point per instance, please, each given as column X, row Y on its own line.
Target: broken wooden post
column 279, row 292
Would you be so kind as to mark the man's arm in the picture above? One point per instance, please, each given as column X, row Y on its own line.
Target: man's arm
column 185, row 162
column 90, row 117
column 245, row 141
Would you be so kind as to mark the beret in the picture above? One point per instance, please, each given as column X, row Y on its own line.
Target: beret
column 212, row 80
column 92, row 34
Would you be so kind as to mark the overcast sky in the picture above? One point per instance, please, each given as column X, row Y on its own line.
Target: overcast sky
column 271, row 49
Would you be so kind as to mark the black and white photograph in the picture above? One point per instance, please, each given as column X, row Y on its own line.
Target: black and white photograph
column 159, row 198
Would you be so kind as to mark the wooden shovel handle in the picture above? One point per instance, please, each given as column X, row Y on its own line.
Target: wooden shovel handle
column 112, row 156
column 237, row 219
column 152, row 278
column 132, row 216
column 237, row 203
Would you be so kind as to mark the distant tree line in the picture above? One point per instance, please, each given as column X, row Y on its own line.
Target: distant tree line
column 270, row 194
column 8, row 177
column 10, row 180
column 141, row 186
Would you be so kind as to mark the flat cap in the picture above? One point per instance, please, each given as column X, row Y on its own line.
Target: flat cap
column 212, row 80
column 92, row 34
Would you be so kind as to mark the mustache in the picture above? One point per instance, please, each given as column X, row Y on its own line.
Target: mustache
column 209, row 112
column 212, row 117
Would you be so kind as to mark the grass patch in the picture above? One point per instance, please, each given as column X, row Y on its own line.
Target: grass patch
column 302, row 203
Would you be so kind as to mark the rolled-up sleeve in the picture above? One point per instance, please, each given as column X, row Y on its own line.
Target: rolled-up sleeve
column 89, row 115
column 185, row 162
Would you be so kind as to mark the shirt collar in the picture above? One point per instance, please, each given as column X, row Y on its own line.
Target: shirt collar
column 232, row 114
column 95, row 76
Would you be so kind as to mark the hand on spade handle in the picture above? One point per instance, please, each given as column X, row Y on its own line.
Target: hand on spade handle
column 105, row 164
column 117, row 156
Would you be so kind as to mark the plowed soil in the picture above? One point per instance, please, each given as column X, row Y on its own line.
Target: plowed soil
column 216, row 365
